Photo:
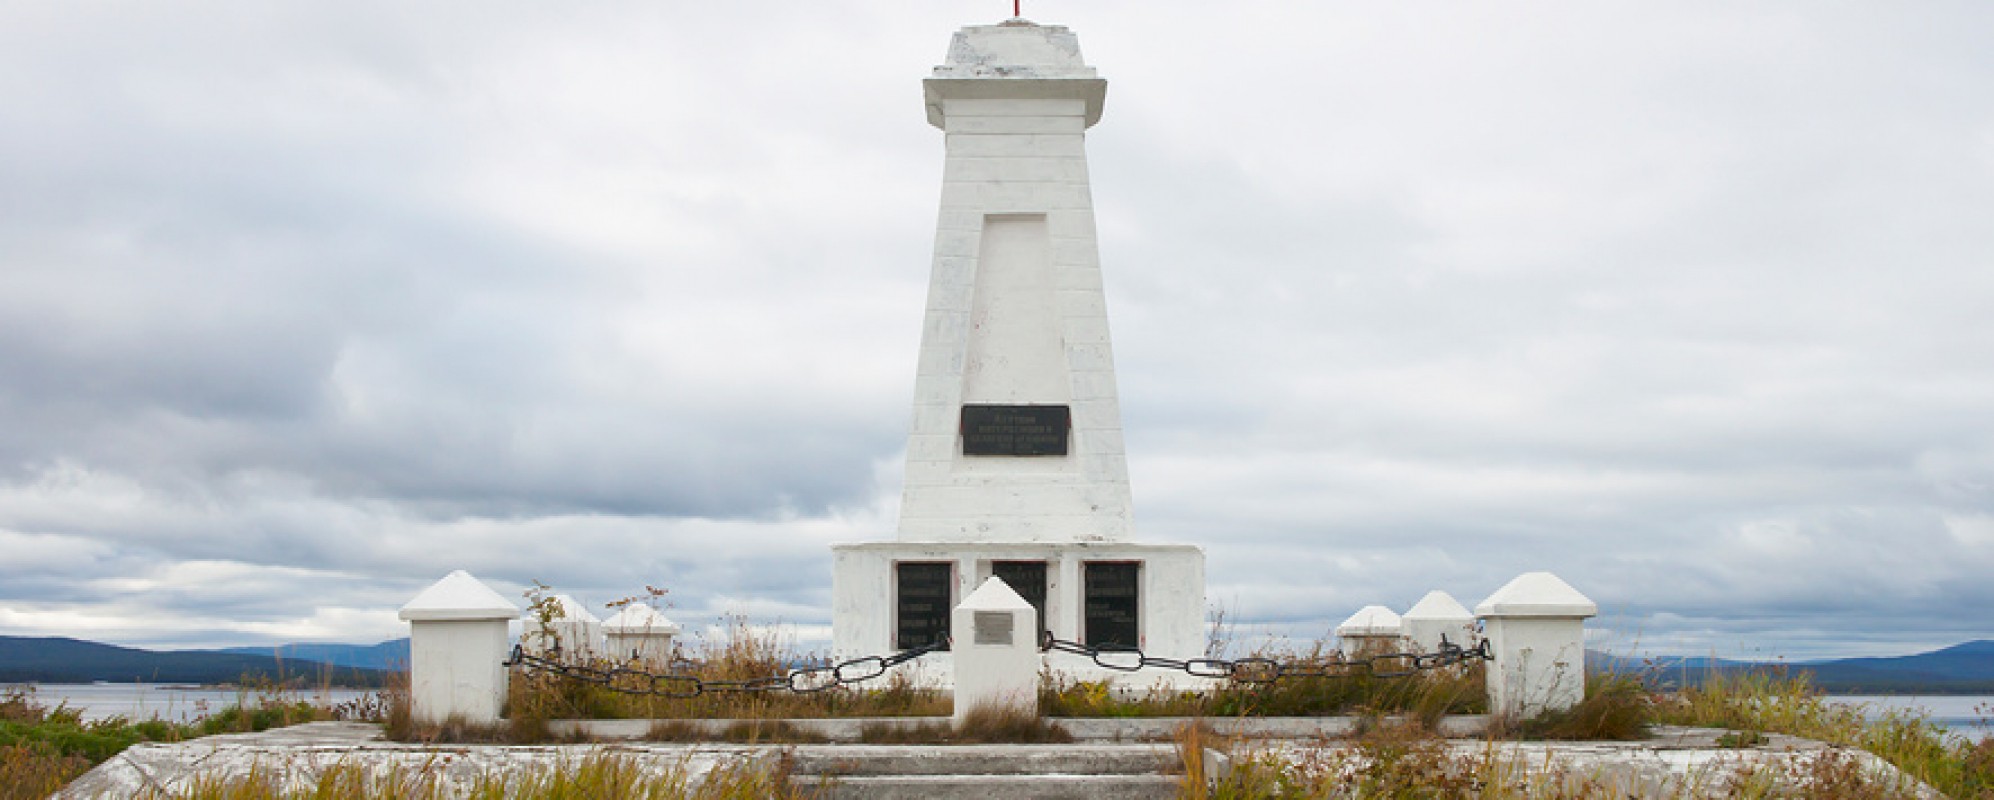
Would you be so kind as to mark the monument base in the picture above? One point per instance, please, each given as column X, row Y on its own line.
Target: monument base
column 890, row 596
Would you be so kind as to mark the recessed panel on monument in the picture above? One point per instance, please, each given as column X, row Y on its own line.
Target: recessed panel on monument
column 1113, row 597
column 1028, row 579
column 922, row 613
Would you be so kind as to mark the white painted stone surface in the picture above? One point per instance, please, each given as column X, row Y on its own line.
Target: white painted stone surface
column 996, row 651
column 1676, row 762
column 1535, row 625
column 1016, row 315
column 569, row 628
column 1436, row 615
column 1373, row 629
column 457, row 648
column 1171, row 583
column 639, row 633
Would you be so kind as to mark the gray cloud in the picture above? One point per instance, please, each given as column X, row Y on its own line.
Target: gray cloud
column 302, row 308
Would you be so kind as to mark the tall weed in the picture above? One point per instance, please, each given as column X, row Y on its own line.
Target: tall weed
column 1428, row 696
column 739, row 653
column 601, row 775
column 1780, row 702
column 1615, row 707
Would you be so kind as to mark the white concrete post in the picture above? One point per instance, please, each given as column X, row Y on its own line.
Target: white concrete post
column 457, row 646
column 1436, row 615
column 639, row 633
column 1536, row 629
column 996, row 651
column 1373, row 629
column 571, row 629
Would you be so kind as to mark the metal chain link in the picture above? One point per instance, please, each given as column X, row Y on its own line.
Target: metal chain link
column 1266, row 670
column 1250, row 670
column 631, row 680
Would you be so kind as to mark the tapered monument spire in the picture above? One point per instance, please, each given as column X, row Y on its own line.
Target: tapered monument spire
column 1017, row 432
column 1015, row 462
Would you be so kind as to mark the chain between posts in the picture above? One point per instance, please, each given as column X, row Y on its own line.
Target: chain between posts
column 631, row 680
column 1256, row 670
column 1250, row 670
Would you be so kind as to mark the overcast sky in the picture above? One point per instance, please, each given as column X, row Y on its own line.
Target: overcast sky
column 304, row 305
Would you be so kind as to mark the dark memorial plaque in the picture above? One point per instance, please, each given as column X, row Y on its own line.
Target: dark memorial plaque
column 1112, row 603
column 1027, row 578
column 1015, row 430
column 922, row 613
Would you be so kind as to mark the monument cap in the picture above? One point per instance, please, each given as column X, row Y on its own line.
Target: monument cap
column 1537, row 594
column 571, row 610
column 1015, row 61
column 639, row 618
column 458, row 597
column 1438, row 605
column 994, row 595
column 1370, row 621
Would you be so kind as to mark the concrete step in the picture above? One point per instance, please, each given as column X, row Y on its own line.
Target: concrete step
column 970, row 760
column 988, row 772
column 997, row 787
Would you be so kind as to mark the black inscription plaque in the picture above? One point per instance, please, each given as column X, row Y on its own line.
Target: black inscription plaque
column 1112, row 603
column 1015, row 430
column 1027, row 578
column 922, row 615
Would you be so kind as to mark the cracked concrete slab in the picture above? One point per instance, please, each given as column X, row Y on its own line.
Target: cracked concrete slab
column 1675, row 762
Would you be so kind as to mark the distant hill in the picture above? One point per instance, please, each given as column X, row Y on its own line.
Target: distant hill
column 1966, row 668
column 391, row 655
column 1960, row 669
column 63, row 660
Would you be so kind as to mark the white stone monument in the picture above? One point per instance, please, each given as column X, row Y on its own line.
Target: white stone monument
column 457, row 650
column 1370, row 631
column 997, row 657
column 1015, row 466
column 569, row 629
column 639, row 633
column 1536, row 630
column 1435, row 616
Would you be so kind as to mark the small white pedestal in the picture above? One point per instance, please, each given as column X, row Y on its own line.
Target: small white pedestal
column 996, row 651
column 1436, row 615
column 1370, row 631
column 457, row 650
column 1536, row 629
column 568, row 629
column 639, row 633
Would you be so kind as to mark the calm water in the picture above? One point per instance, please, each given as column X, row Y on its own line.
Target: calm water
column 166, row 701
column 1967, row 715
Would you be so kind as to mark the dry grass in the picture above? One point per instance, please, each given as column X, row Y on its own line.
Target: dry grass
column 32, row 772
column 982, row 725
column 752, row 731
column 741, row 652
column 1407, row 763
column 1777, row 702
column 1615, row 708
column 1833, row 775
column 1386, row 762
column 43, row 748
column 1427, row 696
column 602, row 775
